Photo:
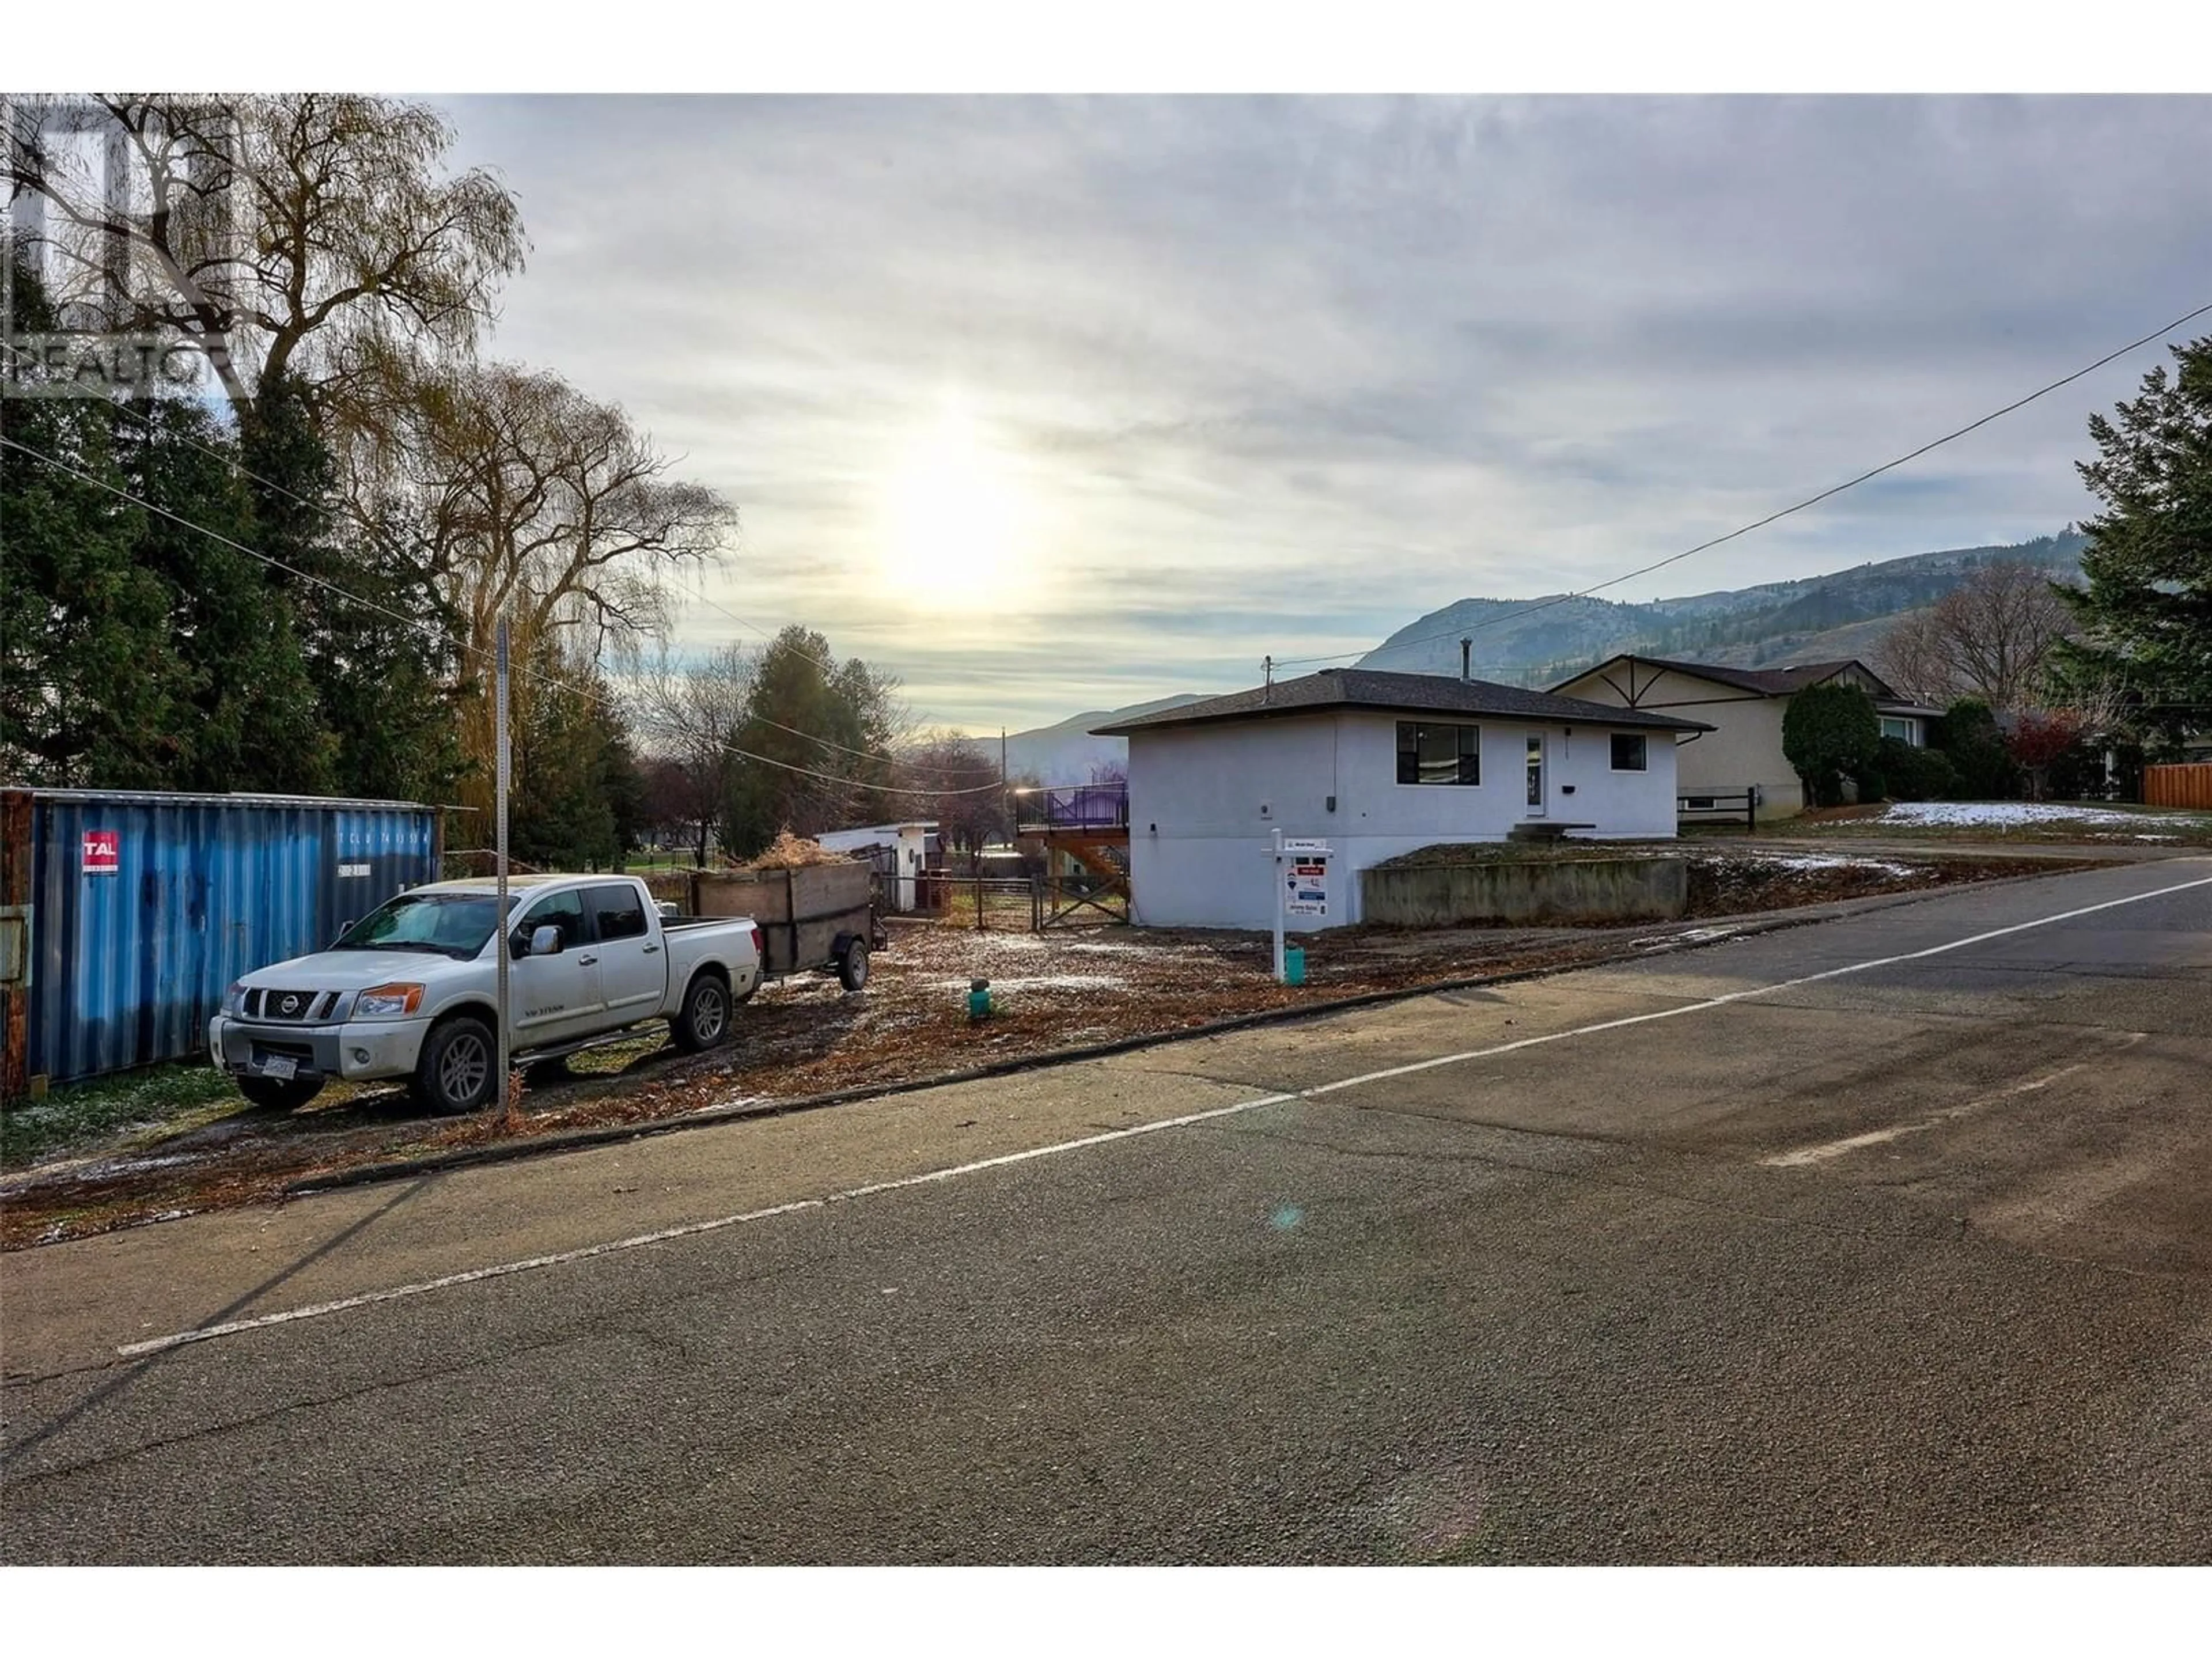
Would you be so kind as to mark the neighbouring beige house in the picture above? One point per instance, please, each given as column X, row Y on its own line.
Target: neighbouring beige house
column 1745, row 707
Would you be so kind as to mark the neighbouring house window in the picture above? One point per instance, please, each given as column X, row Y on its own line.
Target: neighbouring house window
column 1905, row 730
column 1429, row 753
column 1628, row 754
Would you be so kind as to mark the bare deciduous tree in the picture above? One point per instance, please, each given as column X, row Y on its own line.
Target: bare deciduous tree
column 694, row 718
column 1990, row 637
column 531, row 500
column 287, row 234
column 969, row 809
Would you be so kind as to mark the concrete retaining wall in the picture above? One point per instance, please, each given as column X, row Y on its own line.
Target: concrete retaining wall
column 1570, row 890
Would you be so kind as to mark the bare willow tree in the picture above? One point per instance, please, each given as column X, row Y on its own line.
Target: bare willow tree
column 530, row 500
column 280, row 235
column 1990, row 637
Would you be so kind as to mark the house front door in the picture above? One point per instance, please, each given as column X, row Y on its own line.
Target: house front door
column 1536, row 776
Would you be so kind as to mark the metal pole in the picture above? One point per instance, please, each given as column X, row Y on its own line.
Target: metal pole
column 1278, row 907
column 499, row 927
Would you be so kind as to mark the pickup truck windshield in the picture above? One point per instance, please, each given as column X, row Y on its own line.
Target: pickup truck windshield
column 453, row 924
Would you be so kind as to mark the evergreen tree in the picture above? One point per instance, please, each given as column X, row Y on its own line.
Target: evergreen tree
column 1828, row 731
column 824, row 732
column 90, row 688
column 252, row 720
column 577, row 798
column 377, row 658
column 2147, row 610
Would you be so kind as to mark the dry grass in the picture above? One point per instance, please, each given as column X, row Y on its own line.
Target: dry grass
column 790, row 852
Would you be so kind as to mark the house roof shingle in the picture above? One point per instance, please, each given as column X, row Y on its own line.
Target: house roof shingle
column 1369, row 687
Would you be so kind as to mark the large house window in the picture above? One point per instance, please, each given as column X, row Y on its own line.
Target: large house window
column 1433, row 753
column 1903, row 729
column 1628, row 754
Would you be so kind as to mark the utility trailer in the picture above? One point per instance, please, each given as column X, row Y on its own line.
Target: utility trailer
column 816, row 918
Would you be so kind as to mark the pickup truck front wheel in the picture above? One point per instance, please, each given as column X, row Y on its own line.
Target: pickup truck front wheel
column 454, row 1073
column 703, row 1022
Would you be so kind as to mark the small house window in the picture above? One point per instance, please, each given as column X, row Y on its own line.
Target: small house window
column 1429, row 753
column 1628, row 754
column 1904, row 730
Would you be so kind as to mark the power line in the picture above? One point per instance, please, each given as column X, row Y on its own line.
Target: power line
column 379, row 534
column 1760, row 524
column 434, row 632
column 376, row 530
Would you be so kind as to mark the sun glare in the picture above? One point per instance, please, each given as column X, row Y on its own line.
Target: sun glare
column 956, row 523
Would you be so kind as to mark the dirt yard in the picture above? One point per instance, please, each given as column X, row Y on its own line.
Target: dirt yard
column 806, row 1037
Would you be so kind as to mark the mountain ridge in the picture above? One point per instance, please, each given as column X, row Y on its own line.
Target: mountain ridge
column 1541, row 642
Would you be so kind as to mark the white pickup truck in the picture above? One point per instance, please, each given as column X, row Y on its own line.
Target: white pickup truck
column 409, row 991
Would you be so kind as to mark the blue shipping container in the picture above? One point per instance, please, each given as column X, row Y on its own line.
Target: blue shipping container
column 143, row 908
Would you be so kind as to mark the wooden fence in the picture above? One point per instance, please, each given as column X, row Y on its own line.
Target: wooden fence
column 2177, row 786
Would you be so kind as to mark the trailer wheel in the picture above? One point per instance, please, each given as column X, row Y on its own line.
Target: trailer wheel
column 273, row 1094
column 703, row 1022
column 852, row 966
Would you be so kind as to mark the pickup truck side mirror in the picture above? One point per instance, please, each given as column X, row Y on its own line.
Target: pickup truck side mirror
column 544, row 941
column 344, row 928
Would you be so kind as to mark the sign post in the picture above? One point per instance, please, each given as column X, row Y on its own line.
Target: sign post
column 499, row 926
column 1278, row 907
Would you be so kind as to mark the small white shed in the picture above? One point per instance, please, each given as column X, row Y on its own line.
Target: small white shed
column 1374, row 764
column 910, row 845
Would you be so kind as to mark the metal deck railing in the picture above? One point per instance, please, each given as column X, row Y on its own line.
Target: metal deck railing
column 1073, row 809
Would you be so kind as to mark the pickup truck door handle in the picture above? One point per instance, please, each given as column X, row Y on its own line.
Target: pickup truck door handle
column 650, row 949
column 586, row 962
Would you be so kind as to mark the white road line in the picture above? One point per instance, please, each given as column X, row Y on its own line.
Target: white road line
column 1809, row 1155
column 316, row 1310
column 423, row 1287
column 1722, row 1000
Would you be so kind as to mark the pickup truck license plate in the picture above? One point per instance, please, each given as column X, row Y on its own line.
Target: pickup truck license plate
column 279, row 1066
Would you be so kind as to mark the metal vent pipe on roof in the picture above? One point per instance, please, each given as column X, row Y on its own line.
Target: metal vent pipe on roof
column 1466, row 659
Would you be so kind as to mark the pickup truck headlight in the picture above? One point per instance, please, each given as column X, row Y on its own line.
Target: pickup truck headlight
column 233, row 996
column 400, row 997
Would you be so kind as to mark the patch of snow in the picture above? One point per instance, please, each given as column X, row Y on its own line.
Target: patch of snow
column 2012, row 812
column 1833, row 861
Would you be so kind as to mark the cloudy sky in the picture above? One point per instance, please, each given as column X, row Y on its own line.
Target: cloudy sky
column 1054, row 405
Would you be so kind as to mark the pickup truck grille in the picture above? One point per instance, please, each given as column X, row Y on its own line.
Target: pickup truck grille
column 301, row 1006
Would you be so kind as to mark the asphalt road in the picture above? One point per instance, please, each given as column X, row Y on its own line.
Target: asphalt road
column 1877, row 1239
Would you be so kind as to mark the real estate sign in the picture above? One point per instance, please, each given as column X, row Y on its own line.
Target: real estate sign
column 1305, row 877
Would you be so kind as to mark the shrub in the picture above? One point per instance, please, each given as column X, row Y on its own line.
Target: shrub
column 1968, row 734
column 1910, row 774
column 1830, row 730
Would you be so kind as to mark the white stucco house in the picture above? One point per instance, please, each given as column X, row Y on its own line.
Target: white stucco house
column 1744, row 706
column 1376, row 765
